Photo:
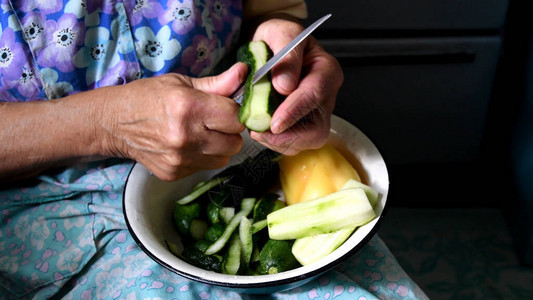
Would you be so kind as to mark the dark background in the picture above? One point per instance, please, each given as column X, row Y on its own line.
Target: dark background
column 438, row 86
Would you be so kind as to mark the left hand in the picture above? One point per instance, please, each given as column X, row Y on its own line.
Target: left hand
column 310, row 78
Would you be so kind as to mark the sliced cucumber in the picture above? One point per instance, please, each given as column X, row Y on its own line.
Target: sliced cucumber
column 247, row 205
column 371, row 194
column 345, row 208
column 310, row 249
column 260, row 100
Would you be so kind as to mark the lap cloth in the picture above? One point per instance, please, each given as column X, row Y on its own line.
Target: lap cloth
column 65, row 236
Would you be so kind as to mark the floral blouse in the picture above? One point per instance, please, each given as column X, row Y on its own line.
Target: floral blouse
column 50, row 49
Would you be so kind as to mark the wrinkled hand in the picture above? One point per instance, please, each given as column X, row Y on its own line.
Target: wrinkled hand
column 175, row 125
column 310, row 78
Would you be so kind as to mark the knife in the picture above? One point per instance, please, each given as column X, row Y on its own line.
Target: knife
column 237, row 96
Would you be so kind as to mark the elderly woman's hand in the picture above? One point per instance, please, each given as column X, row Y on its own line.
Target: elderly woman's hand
column 172, row 124
column 310, row 78
column 175, row 125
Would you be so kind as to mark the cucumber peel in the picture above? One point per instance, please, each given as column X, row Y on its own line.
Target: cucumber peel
column 201, row 188
column 257, row 226
column 247, row 205
column 232, row 260
column 245, row 236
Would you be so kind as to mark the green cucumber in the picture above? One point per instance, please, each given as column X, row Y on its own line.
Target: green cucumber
column 196, row 257
column 213, row 212
column 268, row 203
column 202, row 245
column 276, row 257
column 247, row 205
column 310, row 249
column 345, row 208
column 184, row 216
column 260, row 100
column 371, row 194
column 214, row 232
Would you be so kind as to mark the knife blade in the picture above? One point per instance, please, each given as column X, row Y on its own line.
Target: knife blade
column 237, row 96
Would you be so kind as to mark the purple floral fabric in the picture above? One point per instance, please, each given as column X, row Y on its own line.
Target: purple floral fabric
column 88, row 44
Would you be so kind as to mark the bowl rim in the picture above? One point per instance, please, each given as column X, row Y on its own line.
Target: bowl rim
column 271, row 283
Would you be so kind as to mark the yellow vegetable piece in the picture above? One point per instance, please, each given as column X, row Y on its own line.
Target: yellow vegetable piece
column 314, row 173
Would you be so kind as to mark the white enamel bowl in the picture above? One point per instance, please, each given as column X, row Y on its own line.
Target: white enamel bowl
column 149, row 204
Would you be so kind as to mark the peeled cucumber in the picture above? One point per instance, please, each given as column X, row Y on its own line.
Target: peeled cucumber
column 371, row 194
column 342, row 209
column 310, row 249
column 260, row 100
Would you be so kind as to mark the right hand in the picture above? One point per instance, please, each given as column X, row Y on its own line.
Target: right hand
column 174, row 125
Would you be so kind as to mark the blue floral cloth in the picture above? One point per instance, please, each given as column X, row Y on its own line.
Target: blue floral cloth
column 63, row 234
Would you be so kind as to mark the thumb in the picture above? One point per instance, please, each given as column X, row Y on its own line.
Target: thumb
column 223, row 84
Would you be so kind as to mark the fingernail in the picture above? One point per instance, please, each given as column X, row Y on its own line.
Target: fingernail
column 275, row 126
column 285, row 83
